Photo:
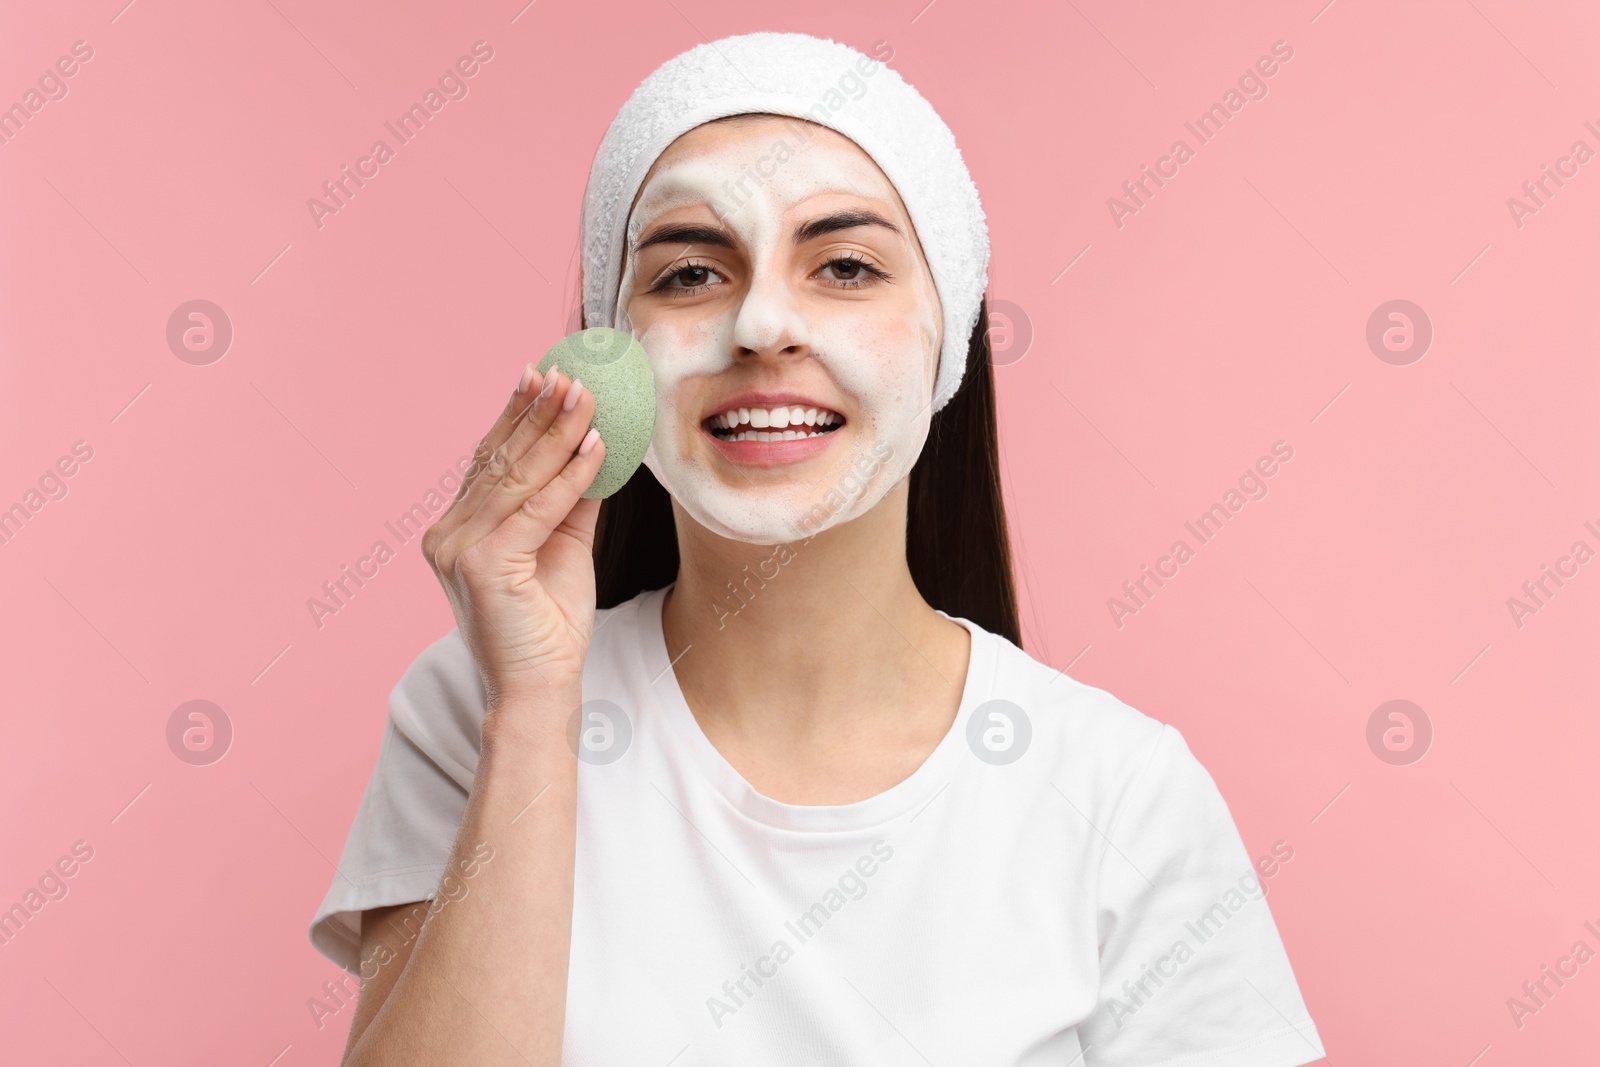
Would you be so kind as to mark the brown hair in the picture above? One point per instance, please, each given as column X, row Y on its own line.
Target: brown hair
column 957, row 546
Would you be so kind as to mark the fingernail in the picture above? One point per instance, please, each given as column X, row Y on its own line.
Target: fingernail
column 588, row 441
column 526, row 380
column 573, row 391
column 549, row 382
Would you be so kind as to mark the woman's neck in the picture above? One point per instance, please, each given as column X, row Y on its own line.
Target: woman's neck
column 815, row 667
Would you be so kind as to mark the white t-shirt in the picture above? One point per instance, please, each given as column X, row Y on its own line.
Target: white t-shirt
column 1060, row 879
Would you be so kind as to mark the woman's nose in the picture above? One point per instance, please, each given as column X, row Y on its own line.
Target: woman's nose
column 769, row 320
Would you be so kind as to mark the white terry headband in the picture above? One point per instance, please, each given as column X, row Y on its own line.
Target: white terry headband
column 832, row 85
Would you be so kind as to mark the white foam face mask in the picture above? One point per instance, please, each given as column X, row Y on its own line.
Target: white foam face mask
column 872, row 360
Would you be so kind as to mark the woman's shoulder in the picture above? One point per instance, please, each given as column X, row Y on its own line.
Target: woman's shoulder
column 439, row 701
column 1062, row 701
column 1080, row 734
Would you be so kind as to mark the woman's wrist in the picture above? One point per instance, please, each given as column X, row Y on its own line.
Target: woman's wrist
column 527, row 722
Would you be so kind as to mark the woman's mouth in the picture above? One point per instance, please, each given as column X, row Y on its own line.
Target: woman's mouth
column 772, row 434
column 788, row 422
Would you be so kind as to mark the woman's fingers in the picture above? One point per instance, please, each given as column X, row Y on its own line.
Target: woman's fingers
column 489, row 459
column 530, row 523
column 537, row 420
column 546, row 458
column 530, row 416
column 522, row 398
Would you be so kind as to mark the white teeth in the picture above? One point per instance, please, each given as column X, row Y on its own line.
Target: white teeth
column 777, row 419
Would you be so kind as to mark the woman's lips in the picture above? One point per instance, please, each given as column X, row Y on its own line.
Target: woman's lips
column 796, row 428
column 769, row 453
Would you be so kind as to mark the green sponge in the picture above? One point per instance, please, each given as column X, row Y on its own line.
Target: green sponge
column 612, row 365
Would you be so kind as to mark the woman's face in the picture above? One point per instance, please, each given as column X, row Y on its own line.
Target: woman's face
column 791, row 321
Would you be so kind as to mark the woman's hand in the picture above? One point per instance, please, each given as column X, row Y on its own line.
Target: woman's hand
column 514, row 550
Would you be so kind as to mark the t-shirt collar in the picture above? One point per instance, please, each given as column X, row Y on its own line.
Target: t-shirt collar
column 912, row 792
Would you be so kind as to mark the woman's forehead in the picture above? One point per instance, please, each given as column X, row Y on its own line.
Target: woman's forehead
column 736, row 169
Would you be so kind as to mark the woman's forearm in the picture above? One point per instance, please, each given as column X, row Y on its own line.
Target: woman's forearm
column 486, row 980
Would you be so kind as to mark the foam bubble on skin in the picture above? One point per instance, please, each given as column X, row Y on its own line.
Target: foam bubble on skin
column 880, row 358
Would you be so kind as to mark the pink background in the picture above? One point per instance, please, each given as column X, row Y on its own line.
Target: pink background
column 1228, row 313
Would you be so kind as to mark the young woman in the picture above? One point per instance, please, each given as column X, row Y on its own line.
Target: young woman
column 747, row 765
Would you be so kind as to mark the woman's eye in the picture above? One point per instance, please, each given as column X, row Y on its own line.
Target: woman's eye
column 843, row 272
column 852, row 273
column 688, row 277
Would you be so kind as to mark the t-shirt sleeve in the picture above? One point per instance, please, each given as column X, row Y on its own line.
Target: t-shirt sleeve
column 407, row 823
column 1192, row 970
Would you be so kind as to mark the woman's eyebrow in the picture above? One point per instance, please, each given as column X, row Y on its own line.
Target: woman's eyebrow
column 699, row 234
column 839, row 220
column 686, row 234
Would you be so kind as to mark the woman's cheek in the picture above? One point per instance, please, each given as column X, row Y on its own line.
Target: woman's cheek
column 886, row 368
